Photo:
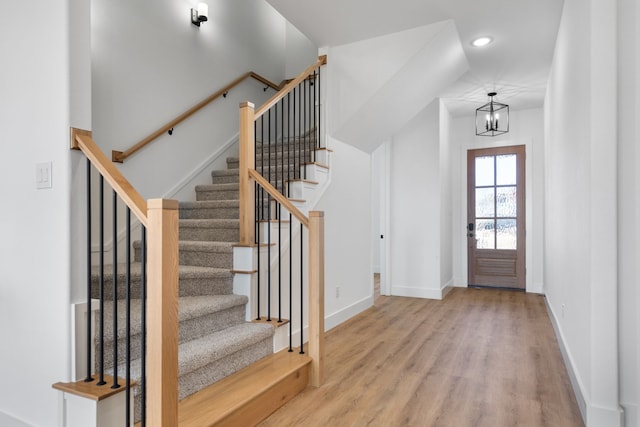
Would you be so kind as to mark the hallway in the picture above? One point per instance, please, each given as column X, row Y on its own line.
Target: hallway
column 476, row 358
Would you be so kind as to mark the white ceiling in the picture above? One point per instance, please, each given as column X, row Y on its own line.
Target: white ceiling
column 516, row 64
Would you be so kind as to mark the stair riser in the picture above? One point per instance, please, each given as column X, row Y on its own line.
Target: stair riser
column 206, row 259
column 203, row 195
column 225, row 179
column 189, row 330
column 210, row 234
column 210, row 213
column 219, row 285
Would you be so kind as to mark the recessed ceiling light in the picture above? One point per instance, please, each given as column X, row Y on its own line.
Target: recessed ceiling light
column 481, row 41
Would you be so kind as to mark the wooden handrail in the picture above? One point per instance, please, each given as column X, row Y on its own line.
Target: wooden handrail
column 121, row 156
column 81, row 140
column 284, row 201
column 322, row 60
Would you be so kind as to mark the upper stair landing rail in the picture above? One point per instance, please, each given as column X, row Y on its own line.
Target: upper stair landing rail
column 121, row 156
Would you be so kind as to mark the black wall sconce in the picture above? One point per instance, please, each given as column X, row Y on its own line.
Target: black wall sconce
column 199, row 14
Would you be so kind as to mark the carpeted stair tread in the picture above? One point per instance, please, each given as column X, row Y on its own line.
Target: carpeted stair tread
column 189, row 308
column 210, row 209
column 226, row 247
column 218, row 187
column 184, row 271
column 198, row 353
column 210, row 223
column 193, row 280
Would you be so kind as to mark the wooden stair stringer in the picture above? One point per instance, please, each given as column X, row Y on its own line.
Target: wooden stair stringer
column 248, row 396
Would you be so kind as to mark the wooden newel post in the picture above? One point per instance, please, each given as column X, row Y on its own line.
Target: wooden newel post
column 247, row 162
column 316, row 297
column 162, row 317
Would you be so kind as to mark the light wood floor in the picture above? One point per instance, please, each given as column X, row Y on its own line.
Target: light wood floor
column 478, row 358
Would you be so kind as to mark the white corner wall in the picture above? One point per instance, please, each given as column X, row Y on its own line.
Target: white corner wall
column 39, row 103
column 416, row 205
column 526, row 128
column 581, row 210
column 446, row 198
column 347, row 206
column 629, row 208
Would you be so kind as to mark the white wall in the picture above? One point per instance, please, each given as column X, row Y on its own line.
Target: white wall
column 417, row 252
column 526, row 128
column 38, row 104
column 347, row 206
column 629, row 207
column 446, row 198
column 150, row 64
column 580, row 203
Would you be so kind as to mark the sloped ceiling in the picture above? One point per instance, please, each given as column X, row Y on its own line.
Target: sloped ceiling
column 516, row 64
column 372, row 100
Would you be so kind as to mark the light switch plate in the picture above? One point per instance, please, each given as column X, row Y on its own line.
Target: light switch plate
column 43, row 175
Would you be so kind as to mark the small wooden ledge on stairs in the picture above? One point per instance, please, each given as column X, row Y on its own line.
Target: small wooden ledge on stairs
column 274, row 321
column 248, row 396
column 320, row 165
column 304, row 181
column 86, row 404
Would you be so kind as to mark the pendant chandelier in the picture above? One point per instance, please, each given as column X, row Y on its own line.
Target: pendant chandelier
column 492, row 118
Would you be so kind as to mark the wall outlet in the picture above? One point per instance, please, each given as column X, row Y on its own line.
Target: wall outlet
column 338, row 291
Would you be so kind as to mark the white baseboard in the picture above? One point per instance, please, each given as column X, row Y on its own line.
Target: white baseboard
column 429, row 293
column 333, row 320
column 592, row 415
column 631, row 414
column 536, row 288
column 576, row 383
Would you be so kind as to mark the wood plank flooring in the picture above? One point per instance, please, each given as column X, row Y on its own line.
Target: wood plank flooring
column 480, row 357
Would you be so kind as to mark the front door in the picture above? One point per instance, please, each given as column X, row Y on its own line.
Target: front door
column 496, row 217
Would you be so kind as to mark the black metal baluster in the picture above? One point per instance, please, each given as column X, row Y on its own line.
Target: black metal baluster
column 305, row 129
column 290, row 284
column 279, row 207
column 301, row 290
column 268, row 225
column 315, row 124
column 295, row 173
column 90, row 344
column 115, row 290
column 128, row 320
column 280, row 216
column 258, row 216
column 101, row 355
column 143, row 320
column 318, row 145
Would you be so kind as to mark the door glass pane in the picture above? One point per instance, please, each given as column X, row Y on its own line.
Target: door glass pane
column 485, row 202
column 506, row 169
column 485, row 234
column 507, row 237
column 506, row 202
column 484, row 171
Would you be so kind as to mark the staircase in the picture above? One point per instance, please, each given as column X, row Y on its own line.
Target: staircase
column 215, row 340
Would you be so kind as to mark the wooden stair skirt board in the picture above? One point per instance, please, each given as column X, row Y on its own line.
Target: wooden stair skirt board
column 250, row 395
